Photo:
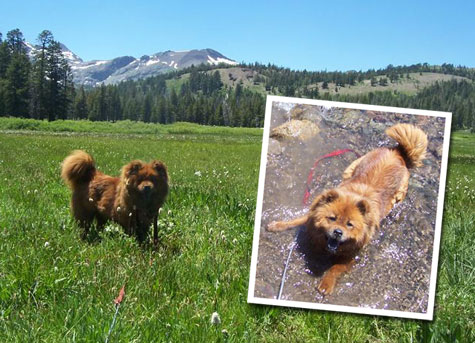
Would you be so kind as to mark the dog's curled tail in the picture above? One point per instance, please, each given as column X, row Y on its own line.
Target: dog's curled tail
column 77, row 168
column 412, row 143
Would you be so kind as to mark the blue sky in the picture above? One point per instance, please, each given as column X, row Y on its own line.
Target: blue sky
column 312, row 35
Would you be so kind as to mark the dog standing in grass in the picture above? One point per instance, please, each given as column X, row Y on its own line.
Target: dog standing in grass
column 132, row 200
column 343, row 220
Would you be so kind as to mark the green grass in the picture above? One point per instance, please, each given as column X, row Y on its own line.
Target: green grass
column 56, row 288
column 123, row 127
column 177, row 83
column 406, row 86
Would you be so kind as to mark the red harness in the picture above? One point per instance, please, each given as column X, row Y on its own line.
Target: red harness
column 310, row 175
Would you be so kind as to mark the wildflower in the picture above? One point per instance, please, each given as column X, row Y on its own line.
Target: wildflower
column 46, row 244
column 36, row 191
column 198, row 173
column 215, row 318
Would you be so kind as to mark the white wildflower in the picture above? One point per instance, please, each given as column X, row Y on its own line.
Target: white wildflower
column 46, row 244
column 198, row 173
column 36, row 191
column 215, row 318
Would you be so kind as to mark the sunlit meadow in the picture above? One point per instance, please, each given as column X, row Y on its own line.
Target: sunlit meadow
column 54, row 287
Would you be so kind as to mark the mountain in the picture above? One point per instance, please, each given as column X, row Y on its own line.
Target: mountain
column 130, row 68
column 92, row 73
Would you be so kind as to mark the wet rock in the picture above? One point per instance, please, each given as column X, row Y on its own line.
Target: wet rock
column 297, row 111
column 295, row 129
column 274, row 147
column 307, row 112
column 438, row 152
column 366, row 131
column 415, row 183
column 347, row 119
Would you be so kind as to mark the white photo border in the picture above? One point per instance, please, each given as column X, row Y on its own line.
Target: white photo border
column 438, row 224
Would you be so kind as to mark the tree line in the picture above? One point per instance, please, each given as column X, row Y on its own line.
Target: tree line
column 202, row 99
column 288, row 82
column 453, row 96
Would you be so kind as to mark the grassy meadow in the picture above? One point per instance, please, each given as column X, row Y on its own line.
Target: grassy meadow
column 55, row 287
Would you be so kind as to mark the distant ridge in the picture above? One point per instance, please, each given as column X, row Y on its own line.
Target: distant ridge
column 96, row 72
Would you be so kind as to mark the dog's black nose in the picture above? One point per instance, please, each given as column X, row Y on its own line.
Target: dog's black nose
column 337, row 233
column 147, row 189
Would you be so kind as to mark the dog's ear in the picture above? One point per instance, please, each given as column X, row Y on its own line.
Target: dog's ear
column 161, row 168
column 368, row 215
column 363, row 206
column 325, row 198
column 133, row 168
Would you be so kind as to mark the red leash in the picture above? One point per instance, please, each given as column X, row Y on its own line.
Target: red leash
column 310, row 175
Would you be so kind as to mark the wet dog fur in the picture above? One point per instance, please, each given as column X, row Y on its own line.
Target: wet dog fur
column 341, row 221
column 132, row 200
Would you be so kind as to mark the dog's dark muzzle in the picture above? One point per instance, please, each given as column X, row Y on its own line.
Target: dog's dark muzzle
column 147, row 192
column 334, row 240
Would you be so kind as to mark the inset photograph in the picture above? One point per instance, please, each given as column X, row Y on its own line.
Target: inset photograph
column 349, row 207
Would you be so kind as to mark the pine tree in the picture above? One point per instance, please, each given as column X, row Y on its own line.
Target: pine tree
column 4, row 61
column 5, row 57
column 373, row 81
column 173, row 107
column 162, row 112
column 80, row 105
column 15, row 93
column 147, row 108
column 39, row 88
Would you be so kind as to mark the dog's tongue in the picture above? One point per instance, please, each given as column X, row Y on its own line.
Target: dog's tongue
column 333, row 244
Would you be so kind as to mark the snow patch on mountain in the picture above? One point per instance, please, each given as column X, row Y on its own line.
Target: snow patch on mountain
column 218, row 60
column 89, row 64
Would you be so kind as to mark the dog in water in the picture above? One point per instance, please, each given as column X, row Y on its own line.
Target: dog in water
column 342, row 220
column 132, row 200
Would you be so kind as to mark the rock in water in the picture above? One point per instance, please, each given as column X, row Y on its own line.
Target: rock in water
column 274, row 147
column 295, row 129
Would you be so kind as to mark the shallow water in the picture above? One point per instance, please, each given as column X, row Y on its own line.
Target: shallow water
column 393, row 271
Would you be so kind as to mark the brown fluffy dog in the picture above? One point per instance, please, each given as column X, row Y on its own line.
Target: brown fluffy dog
column 343, row 220
column 132, row 200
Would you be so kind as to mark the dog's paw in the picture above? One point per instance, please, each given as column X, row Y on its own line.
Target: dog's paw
column 275, row 226
column 326, row 286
